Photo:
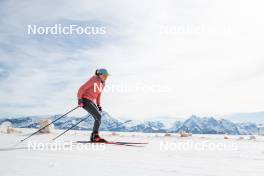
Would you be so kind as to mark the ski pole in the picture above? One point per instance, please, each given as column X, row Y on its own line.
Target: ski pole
column 120, row 124
column 50, row 123
column 70, row 128
column 79, row 123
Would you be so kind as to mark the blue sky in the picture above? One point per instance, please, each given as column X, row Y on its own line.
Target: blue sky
column 213, row 67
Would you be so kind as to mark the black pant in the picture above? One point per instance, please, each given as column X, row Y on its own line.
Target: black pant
column 91, row 108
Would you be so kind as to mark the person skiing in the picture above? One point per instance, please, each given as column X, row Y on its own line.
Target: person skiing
column 89, row 95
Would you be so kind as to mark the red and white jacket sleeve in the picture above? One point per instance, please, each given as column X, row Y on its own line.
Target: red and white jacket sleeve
column 83, row 88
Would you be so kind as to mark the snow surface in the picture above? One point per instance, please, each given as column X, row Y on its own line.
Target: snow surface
column 244, row 158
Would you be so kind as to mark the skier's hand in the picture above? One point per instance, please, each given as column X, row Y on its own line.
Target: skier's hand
column 80, row 102
column 100, row 108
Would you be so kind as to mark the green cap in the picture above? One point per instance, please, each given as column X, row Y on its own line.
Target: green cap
column 101, row 71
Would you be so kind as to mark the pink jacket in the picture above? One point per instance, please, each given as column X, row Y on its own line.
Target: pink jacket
column 92, row 90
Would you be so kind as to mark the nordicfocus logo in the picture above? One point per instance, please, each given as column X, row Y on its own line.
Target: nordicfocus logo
column 62, row 146
column 197, row 146
column 136, row 87
column 59, row 29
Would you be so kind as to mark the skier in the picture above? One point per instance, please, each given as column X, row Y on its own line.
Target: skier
column 89, row 95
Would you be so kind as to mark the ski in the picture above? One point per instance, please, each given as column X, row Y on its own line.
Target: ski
column 124, row 144
column 134, row 144
column 11, row 148
column 112, row 143
column 120, row 142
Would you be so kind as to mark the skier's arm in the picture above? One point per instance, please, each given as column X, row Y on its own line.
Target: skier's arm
column 83, row 88
column 98, row 100
column 80, row 92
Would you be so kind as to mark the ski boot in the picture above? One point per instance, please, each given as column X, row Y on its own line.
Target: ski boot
column 96, row 138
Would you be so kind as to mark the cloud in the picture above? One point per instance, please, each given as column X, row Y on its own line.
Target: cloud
column 208, row 59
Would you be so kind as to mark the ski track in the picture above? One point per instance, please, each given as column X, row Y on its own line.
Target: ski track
column 246, row 159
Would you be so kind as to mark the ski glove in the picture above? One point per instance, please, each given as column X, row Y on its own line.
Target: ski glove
column 80, row 102
column 100, row 108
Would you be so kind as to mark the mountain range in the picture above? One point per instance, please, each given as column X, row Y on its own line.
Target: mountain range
column 194, row 124
column 255, row 117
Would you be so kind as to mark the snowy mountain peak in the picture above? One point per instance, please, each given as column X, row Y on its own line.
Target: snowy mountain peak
column 194, row 124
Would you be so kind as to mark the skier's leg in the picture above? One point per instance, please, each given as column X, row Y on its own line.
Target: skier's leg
column 91, row 108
